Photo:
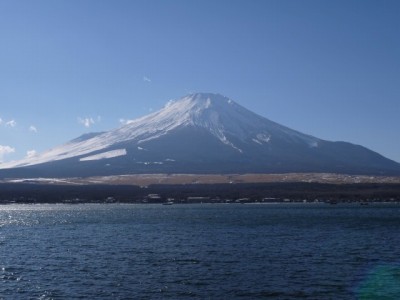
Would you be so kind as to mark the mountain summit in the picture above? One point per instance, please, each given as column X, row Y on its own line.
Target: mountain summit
column 201, row 133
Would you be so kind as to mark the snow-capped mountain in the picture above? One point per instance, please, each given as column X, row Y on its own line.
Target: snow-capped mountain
column 201, row 133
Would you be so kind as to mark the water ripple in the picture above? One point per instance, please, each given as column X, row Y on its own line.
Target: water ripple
column 199, row 252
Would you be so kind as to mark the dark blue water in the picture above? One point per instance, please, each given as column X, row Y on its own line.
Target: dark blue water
column 303, row 251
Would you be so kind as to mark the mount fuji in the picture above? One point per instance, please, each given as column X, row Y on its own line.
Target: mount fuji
column 200, row 133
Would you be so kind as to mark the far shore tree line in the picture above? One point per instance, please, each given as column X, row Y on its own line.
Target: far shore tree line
column 200, row 193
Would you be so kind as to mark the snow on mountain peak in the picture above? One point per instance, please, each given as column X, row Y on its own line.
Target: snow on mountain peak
column 194, row 104
column 218, row 115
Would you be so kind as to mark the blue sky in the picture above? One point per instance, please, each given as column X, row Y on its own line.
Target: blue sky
column 326, row 68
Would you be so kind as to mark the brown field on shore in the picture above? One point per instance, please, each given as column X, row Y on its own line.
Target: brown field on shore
column 151, row 179
column 148, row 179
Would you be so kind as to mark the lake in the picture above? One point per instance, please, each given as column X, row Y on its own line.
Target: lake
column 200, row 251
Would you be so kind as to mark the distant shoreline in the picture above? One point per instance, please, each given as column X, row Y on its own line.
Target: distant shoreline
column 176, row 179
column 266, row 192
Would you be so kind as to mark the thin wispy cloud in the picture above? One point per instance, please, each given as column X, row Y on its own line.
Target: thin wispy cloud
column 146, row 79
column 4, row 150
column 33, row 129
column 11, row 123
column 125, row 121
column 31, row 153
column 87, row 122
column 1, row 121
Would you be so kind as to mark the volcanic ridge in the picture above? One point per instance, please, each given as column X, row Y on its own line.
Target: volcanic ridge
column 201, row 133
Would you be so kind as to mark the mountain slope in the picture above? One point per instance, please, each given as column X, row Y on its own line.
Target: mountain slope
column 201, row 133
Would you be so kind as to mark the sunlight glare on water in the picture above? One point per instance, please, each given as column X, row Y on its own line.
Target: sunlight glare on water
column 203, row 251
